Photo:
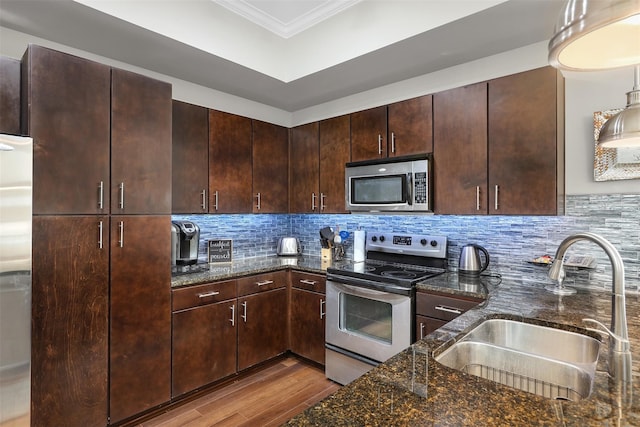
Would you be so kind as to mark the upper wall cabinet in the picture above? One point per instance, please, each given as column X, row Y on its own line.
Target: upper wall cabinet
column 190, row 154
column 270, row 168
column 140, row 144
column 526, row 143
column 9, row 95
column 498, row 146
column 67, row 112
column 305, row 168
column 398, row 129
column 334, row 154
column 230, row 178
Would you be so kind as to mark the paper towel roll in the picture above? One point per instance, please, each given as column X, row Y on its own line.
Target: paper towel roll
column 358, row 245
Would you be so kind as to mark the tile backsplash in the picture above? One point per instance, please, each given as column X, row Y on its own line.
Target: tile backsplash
column 510, row 240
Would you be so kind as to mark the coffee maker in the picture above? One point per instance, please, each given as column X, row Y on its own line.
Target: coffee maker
column 185, row 239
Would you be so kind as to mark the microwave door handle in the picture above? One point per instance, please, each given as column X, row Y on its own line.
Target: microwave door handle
column 409, row 194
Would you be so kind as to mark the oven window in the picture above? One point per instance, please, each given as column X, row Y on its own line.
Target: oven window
column 366, row 317
column 385, row 189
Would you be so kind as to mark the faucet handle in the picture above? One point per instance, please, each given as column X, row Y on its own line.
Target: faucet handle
column 621, row 343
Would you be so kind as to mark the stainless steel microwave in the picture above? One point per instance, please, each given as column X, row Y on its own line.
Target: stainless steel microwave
column 400, row 184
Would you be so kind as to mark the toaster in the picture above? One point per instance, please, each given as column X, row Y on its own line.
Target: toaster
column 289, row 246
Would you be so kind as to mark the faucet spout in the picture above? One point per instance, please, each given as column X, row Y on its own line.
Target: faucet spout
column 619, row 348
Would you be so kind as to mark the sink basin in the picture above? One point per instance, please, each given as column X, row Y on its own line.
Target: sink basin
column 546, row 361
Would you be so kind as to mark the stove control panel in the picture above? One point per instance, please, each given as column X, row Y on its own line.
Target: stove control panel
column 409, row 244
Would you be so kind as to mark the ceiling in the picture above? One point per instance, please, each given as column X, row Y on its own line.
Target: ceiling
column 288, row 54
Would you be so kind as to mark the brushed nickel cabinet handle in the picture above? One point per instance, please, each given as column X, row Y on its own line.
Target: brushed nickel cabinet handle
column 121, row 229
column 101, row 195
column 322, row 204
column 308, row 282
column 215, row 203
column 258, row 201
column 100, row 235
column 233, row 315
column 208, row 294
column 393, row 142
column 421, row 330
column 121, row 203
column 448, row 309
column 380, row 144
column 322, row 312
column 264, row 282
column 244, row 314
column 478, row 198
column 496, row 200
column 313, row 201
column 204, row 199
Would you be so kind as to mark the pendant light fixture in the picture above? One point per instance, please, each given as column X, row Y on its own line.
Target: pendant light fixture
column 596, row 35
column 623, row 129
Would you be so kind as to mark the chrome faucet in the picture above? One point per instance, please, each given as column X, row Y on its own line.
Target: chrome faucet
column 619, row 348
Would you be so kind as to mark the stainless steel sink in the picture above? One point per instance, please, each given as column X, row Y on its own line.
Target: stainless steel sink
column 546, row 361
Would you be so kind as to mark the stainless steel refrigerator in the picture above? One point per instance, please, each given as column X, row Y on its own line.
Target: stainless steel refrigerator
column 16, row 181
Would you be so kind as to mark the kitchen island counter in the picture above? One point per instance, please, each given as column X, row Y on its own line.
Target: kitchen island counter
column 393, row 394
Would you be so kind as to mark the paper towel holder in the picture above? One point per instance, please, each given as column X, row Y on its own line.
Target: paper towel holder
column 359, row 239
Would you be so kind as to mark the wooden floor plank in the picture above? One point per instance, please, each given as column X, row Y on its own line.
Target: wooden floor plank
column 268, row 397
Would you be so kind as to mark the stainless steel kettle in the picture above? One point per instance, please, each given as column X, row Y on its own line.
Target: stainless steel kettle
column 470, row 262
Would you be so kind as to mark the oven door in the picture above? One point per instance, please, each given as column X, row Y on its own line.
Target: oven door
column 367, row 322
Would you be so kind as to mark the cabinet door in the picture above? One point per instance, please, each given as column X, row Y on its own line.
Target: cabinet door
column 270, row 168
column 204, row 346
column 523, row 111
column 410, row 126
column 426, row 325
column 140, row 324
column 305, row 169
column 262, row 327
column 190, row 158
column 307, row 324
column 229, row 163
column 334, row 153
column 369, row 134
column 69, row 347
column 9, row 95
column 140, row 144
column 67, row 101
column 460, row 150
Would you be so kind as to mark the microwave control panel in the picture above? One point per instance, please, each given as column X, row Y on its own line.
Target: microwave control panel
column 420, row 187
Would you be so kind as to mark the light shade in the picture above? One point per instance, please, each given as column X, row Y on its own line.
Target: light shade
column 623, row 129
column 596, row 35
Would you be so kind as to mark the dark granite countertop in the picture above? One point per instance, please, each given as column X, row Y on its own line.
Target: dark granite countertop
column 393, row 394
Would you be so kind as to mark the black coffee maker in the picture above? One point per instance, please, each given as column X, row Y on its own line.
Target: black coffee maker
column 185, row 240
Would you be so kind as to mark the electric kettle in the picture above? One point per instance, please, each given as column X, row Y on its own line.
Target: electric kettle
column 470, row 262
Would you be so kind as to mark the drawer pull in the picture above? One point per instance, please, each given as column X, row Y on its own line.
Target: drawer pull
column 308, row 282
column 208, row 294
column 322, row 312
column 448, row 309
column 264, row 282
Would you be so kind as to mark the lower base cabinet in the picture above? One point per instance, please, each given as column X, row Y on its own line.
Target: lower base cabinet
column 307, row 317
column 435, row 310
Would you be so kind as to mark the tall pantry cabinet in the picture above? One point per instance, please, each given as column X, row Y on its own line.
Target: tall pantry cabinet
column 101, row 267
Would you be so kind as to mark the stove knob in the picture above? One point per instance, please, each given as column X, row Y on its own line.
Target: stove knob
column 381, row 238
column 434, row 243
column 423, row 242
column 374, row 239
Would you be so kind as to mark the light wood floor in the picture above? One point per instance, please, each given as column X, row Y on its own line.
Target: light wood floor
column 268, row 397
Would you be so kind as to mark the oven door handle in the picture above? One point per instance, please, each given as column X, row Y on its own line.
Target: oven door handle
column 367, row 288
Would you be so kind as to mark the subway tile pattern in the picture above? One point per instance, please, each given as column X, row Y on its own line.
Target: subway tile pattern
column 512, row 241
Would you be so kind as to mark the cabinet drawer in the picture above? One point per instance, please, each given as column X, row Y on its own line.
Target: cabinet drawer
column 442, row 307
column 195, row 296
column 308, row 281
column 261, row 282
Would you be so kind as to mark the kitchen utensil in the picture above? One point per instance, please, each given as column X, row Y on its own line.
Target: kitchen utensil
column 326, row 237
column 289, row 246
column 470, row 262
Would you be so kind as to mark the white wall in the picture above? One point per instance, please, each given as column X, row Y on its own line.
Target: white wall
column 584, row 94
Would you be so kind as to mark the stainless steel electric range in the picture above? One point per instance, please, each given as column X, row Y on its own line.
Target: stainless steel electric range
column 371, row 304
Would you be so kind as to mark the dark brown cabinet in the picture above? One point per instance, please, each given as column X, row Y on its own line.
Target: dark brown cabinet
column 498, row 146
column 304, row 165
column 434, row 310
column 526, row 143
column 230, row 177
column 270, row 168
column 262, row 318
column 67, row 112
column 190, row 159
column 9, row 95
column 140, row 314
column 70, row 320
column 460, row 150
column 204, row 335
column 334, row 154
column 399, row 129
column 307, row 318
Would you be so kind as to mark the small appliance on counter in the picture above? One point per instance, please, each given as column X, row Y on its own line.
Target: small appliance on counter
column 289, row 246
column 470, row 263
column 185, row 240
